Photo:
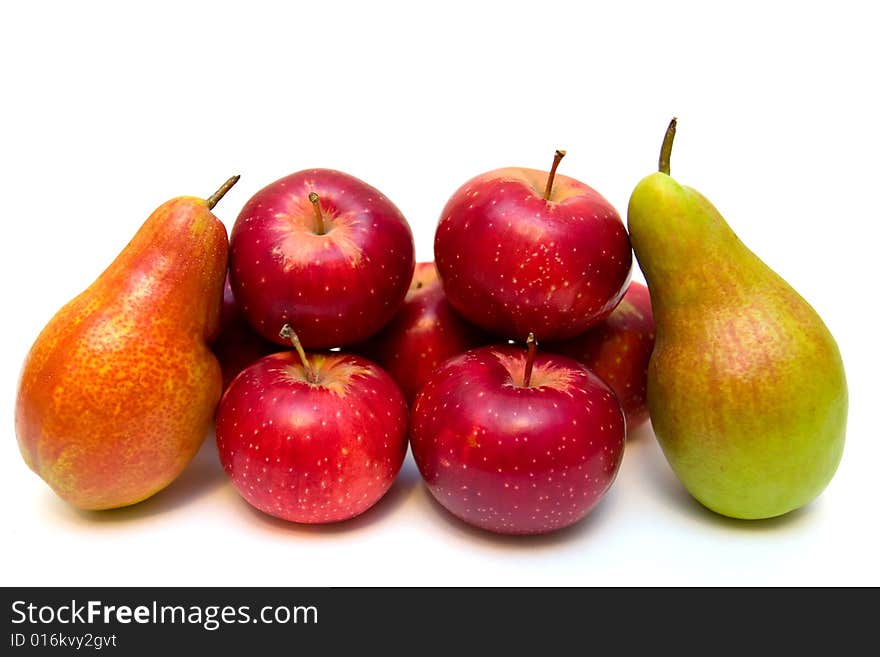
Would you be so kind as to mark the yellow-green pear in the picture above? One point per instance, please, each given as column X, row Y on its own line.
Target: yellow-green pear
column 746, row 387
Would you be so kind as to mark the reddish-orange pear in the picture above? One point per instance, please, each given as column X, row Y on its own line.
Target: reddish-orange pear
column 119, row 390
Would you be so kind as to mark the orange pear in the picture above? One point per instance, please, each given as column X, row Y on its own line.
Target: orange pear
column 119, row 390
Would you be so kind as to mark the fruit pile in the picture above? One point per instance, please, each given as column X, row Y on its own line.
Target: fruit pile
column 514, row 365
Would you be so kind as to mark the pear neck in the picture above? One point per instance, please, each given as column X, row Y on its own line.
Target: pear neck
column 684, row 246
column 157, row 268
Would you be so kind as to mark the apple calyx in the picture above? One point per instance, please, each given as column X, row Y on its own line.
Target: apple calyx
column 666, row 148
column 557, row 158
column 532, row 346
column 214, row 198
column 287, row 333
column 315, row 200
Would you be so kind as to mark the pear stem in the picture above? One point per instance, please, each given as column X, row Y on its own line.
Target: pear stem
column 287, row 333
column 315, row 200
column 557, row 158
column 532, row 345
column 666, row 148
column 214, row 198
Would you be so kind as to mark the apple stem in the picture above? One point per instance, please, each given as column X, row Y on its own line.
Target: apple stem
column 532, row 345
column 557, row 158
column 214, row 198
column 315, row 200
column 666, row 148
column 287, row 333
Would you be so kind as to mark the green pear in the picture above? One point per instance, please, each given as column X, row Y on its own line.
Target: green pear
column 746, row 388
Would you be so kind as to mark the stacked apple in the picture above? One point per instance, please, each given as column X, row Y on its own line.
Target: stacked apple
column 425, row 332
column 509, row 439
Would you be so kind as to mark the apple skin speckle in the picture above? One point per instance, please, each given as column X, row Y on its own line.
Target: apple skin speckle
column 512, row 459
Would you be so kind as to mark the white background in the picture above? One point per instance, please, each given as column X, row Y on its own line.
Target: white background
column 108, row 110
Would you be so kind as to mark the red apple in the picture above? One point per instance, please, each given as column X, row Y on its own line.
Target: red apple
column 516, row 448
column 424, row 332
column 522, row 250
column 618, row 350
column 323, row 251
column 237, row 345
column 312, row 438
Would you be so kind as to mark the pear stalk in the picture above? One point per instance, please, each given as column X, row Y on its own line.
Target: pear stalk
column 666, row 148
column 214, row 198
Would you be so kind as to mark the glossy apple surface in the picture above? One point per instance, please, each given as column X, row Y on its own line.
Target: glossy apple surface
column 511, row 458
column 514, row 262
column 339, row 278
column 312, row 451
column 237, row 345
column 618, row 350
column 424, row 333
